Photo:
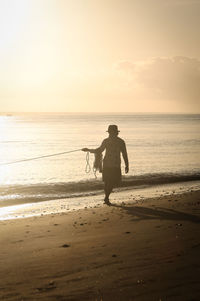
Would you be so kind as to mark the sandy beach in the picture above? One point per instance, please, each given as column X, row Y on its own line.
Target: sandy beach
column 146, row 250
column 99, row 150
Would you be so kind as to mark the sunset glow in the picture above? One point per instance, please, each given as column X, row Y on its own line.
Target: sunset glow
column 98, row 56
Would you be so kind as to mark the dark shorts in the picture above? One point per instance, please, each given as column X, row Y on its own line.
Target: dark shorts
column 112, row 175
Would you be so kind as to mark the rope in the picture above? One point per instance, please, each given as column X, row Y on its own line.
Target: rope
column 95, row 172
column 87, row 167
column 36, row 158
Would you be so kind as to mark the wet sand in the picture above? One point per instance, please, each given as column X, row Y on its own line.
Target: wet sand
column 143, row 250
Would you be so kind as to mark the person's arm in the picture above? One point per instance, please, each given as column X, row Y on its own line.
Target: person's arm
column 125, row 157
column 100, row 149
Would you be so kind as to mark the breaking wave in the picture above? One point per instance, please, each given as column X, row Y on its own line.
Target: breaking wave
column 20, row 194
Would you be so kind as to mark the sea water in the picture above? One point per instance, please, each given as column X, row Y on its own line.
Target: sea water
column 165, row 147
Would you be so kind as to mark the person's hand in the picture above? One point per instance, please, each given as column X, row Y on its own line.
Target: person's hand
column 126, row 169
column 85, row 149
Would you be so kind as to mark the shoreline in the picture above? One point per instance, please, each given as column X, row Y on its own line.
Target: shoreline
column 14, row 194
column 144, row 251
column 66, row 205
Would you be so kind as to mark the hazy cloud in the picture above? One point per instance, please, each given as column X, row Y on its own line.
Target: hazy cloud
column 182, row 2
column 175, row 79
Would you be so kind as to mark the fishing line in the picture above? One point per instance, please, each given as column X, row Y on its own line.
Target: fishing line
column 36, row 158
column 87, row 167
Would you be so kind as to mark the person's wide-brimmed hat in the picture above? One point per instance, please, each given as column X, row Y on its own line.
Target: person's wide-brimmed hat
column 112, row 128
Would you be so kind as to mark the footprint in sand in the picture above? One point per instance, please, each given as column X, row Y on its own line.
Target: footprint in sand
column 65, row 246
column 51, row 285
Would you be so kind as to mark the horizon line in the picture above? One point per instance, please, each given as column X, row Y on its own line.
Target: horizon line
column 102, row 112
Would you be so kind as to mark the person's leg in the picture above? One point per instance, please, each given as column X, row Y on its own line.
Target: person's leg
column 108, row 187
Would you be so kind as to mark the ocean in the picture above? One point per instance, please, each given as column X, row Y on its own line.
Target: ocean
column 162, row 148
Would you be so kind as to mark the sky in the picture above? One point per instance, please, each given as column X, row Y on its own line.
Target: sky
column 100, row 56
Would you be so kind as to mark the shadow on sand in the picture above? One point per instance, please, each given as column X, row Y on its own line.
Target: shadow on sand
column 160, row 213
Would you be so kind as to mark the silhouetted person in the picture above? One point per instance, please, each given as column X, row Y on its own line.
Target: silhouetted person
column 114, row 146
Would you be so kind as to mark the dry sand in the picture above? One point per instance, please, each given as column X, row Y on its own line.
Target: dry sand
column 144, row 251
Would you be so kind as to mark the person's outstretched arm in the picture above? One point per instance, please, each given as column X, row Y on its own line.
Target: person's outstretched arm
column 96, row 150
column 125, row 157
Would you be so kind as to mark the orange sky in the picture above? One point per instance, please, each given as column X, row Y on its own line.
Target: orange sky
column 108, row 55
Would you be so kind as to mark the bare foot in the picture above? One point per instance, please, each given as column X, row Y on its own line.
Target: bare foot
column 106, row 201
